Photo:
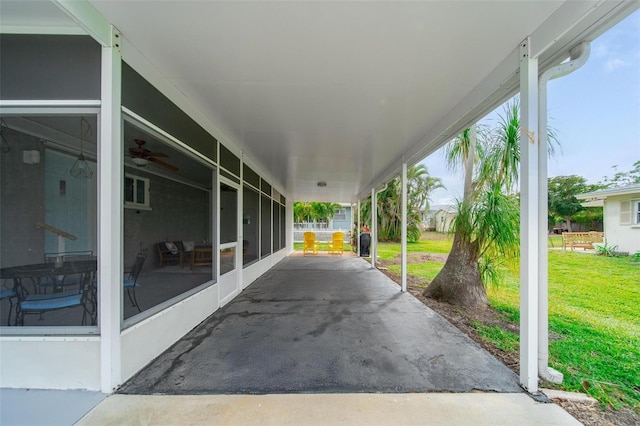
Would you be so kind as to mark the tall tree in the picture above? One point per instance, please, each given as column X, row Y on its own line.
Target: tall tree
column 419, row 187
column 622, row 178
column 323, row 212
column 301, row 212
column 487, row 223
column 314, row 211
column 562, row 196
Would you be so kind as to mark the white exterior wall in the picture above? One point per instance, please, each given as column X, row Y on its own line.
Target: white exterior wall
column 44, row 362
column 626, row 237
column 144, row 341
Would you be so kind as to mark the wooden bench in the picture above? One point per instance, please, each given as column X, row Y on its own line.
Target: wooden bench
column 585, row 240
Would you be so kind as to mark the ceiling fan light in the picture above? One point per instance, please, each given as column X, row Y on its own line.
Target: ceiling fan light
column 140, row 162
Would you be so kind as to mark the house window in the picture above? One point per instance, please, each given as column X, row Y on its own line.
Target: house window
column 340, row 214
column 636, row 211
column 136, row 192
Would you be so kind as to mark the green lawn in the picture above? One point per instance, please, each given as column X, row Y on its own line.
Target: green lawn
column 594, row 317
column 387, row 251
column 321, row 247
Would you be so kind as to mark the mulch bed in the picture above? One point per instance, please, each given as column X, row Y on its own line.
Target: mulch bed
column 588, row 413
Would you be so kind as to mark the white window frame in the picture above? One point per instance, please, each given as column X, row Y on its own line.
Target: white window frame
column 635, row 211
column 146, row 205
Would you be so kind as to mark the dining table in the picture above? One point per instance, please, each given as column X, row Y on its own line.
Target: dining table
column 39, row 273
column 49, row 275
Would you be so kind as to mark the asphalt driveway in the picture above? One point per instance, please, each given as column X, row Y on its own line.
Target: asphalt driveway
column 323, row 325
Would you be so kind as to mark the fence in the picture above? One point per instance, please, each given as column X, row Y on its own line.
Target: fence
column 322, row 235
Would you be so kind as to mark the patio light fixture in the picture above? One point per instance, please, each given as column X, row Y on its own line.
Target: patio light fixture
column 80, row 168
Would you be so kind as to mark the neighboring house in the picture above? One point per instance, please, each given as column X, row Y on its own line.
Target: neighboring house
column 342, row 218
column 621, row 215
column 444, row 218
column 341, row 221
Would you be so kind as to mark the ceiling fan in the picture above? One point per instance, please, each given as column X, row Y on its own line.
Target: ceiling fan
column 142, row 156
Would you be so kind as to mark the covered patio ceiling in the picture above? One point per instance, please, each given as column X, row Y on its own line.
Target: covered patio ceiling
column 341, row 92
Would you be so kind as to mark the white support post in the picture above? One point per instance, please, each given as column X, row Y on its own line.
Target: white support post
column 404, row 227
column 288, row 208
column 358, row 230
column 374, row 231
column 543, row 230
column 529, row 236
column 579, row 56
column 110, row 216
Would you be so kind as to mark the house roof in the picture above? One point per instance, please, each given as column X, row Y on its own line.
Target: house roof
column 604, row 193
column 340, row 92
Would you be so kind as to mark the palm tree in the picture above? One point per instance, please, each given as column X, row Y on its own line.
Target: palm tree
column 419, row 187
column 486, row 227
column 301, row 212
column 323, row 212
column 317, row 212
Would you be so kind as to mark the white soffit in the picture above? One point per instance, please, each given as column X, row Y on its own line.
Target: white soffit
column 35, row 17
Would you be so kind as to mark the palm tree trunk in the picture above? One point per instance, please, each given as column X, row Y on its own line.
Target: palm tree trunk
column 459, row 283
column 468, row 164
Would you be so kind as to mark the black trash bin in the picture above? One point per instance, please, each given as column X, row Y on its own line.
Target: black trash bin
column 365, row 244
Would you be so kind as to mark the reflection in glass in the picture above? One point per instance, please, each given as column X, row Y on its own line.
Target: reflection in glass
column 250, row 211
column 48, row 220
column 276, row 226
column 283, row 227
column 228, row 214
column 167, row 216
column 265, row 228
column 227, row 260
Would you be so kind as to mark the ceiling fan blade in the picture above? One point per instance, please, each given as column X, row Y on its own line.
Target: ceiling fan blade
column 137, row 151
column 157, row 154
column 163, row 164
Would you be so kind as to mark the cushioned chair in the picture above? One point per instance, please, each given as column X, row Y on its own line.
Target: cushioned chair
column 10, row 295
column 187, row 249
column 41, row 303
column 131, row 283
column 337, row 243
column 170, row 252
column 310, row 244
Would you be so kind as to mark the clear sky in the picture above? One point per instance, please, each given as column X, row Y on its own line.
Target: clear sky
column 595, row 112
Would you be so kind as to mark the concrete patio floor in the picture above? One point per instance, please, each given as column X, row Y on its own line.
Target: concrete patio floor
column 323, row 325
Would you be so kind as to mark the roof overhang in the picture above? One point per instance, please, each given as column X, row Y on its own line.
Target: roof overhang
column 593, row 203
column 612, row 192
column 341, row 92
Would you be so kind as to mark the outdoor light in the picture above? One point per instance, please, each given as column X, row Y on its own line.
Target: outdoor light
column 322, row 184
column 140, row 162
column 80, row 168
